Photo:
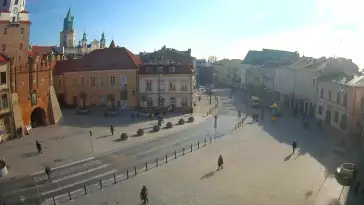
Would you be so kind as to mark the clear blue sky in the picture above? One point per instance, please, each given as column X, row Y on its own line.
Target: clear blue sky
column 225, row 28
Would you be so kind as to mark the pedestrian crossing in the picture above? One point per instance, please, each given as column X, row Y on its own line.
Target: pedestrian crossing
column 67, row 179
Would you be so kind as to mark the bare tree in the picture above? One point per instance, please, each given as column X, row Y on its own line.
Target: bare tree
column 212, row 59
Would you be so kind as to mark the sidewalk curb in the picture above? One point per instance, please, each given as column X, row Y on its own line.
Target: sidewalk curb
column 88, row 156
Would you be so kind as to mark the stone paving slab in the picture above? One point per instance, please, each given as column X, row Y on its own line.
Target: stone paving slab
column 22, row 157
column 256, row 171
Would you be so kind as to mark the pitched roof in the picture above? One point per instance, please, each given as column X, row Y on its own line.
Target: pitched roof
column 179, row 69
column 167, row 55
column 101, row 59
column 4, row 58
column 260, row 57
column 44, row 50
column 112, row 44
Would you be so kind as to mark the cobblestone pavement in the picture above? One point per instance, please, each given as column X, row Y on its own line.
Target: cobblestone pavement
column 71, row 141
column 258, row 169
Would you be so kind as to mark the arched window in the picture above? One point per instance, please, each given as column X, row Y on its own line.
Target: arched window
column 184, row 102
column 172, row 102
column 149, row 102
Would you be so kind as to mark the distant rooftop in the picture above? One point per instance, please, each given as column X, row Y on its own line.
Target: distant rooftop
column 268, row 55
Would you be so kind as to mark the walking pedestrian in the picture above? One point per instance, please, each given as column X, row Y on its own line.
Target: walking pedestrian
column 48, row 172
column 112, row 129
column 144, row 195
column 39, row 147
column 220, row 162
column 294, row 146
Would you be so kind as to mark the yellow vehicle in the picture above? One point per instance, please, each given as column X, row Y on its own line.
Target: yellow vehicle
column 276, row 111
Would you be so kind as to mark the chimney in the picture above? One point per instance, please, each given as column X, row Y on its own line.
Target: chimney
column 189, row 52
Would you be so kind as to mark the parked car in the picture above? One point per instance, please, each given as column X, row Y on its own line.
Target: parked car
column 144, row 113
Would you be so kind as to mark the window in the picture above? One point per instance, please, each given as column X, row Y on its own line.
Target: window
column 184, row 102
column 148, row 85
column 172, row 69
column 22, row 31
column 4, row 101
column 320, row 110
column 161, row 85
column 184, row 88
column 338, row 98
column 102, row 82
column 345, row 99
column 16, row 2
column 3, row 77
column 112, row 81
column 149, row 102
column 92, row 101
column 19, row 58
column 83, row 81
column 21, row 46
column 3, row 47
column 160, row 69
column 330, row 95
column 149, row 70
column 33, row 98
column 336, row 117
column 322, row 93
column 87, row 80
column 5, row 30
column 161, row 101
column 74, row 81
column 172, row 86
column 92, row 81
column 172, row 102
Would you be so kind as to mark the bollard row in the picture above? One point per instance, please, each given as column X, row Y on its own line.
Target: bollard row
column 127, row 174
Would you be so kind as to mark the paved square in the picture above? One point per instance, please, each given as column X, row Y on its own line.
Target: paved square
column 257, row 170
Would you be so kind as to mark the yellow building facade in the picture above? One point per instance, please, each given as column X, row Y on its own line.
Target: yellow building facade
column 103, row 78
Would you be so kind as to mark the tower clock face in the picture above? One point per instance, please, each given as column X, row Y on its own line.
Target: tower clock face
column 15, row 10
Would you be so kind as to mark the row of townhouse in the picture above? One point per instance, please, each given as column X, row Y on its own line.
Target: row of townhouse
column 328, row 89
column 115, row 78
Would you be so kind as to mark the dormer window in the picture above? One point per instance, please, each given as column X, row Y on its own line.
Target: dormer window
column 160, row 69
column 149, row 70
column 172, row 69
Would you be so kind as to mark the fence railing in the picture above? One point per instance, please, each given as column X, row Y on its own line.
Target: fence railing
column 126, row 174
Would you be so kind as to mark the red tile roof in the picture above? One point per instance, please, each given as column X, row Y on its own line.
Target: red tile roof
column 179, row 69
column 42, row 50
column 101, row 59
column 31, row 53
column 4, row 58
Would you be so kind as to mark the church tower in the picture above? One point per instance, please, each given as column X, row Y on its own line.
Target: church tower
column 102, row 41
column 68, row 35
column 84, row 42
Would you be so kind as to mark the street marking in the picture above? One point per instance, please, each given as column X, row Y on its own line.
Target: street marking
column 78, row 174
column 95, row 162
column 65, row 165
column 79, row 182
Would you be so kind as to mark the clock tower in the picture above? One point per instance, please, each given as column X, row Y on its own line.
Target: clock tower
column 14, row 30
column 68, row 34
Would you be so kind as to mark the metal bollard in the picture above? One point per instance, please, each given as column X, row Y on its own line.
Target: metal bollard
column 54, row 201
column 175, row 154
column 191, row 147
column 156, row 162
column 127, row 174
column 183, row 151
column 135, row 171
column 146, row 166
column 85, row 188
column 166, row 158
column 101, row 184
column 69, row 195
column 198, row 145
column 114, row 179
column 205, row 142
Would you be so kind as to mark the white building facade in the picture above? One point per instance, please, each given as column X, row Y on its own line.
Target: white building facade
column 167, row 87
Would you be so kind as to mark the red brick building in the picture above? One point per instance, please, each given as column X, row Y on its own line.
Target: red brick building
column 32, row 94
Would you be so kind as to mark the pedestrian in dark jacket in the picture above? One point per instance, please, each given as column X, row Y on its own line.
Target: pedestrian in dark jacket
column 144, row 195
column 112, row 129
column 39, row 147
column 220, row 162
column 48, row 173
column 294, row 146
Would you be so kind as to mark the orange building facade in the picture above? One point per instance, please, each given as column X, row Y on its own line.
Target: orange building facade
column 33, row 100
